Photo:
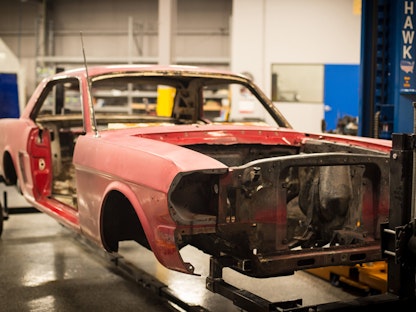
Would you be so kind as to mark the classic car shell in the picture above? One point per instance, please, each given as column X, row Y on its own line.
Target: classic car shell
column 149, row 168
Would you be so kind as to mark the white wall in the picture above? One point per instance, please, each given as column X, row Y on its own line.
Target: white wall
column 248, row 44
column 202, row 34
column 294, row 31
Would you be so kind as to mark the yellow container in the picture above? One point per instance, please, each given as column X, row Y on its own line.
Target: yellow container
column 165, row 98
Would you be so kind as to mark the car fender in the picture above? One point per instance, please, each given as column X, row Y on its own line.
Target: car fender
column 157, row 224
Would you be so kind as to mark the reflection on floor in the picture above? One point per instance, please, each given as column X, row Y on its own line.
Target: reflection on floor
column 44, row 268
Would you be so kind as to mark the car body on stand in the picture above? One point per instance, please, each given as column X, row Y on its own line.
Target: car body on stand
column 170, row 156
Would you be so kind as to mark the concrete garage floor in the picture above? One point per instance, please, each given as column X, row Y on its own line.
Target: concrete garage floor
column 45, row 268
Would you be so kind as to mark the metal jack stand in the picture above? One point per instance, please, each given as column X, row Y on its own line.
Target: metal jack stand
column 398, row 235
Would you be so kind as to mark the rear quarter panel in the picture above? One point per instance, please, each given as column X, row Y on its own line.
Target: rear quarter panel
column 14, row 140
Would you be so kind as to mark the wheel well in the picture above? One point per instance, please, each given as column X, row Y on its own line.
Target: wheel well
column 119, row 222
column 10, row 176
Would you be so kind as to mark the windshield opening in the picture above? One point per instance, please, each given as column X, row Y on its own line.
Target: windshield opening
column 130, row 101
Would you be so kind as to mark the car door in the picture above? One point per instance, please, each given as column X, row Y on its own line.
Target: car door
column 59, row 120
column 40, row 161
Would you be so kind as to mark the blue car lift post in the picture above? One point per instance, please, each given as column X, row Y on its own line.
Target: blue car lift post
column 387, row 87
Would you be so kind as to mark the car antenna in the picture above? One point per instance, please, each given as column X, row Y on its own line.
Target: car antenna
column 94, row 124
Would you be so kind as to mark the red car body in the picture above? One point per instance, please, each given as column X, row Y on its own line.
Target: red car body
column 166, row 157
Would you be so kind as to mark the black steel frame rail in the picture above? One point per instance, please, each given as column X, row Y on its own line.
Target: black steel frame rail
column 251, row 302
column 241, row 298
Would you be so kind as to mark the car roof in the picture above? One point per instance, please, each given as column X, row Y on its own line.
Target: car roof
column 153, row 69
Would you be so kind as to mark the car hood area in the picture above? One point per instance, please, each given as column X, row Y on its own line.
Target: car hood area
column 241, row 134
column 246, row 184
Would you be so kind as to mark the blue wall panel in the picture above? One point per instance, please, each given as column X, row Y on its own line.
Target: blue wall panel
column 9, row 97
column 341, row 83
